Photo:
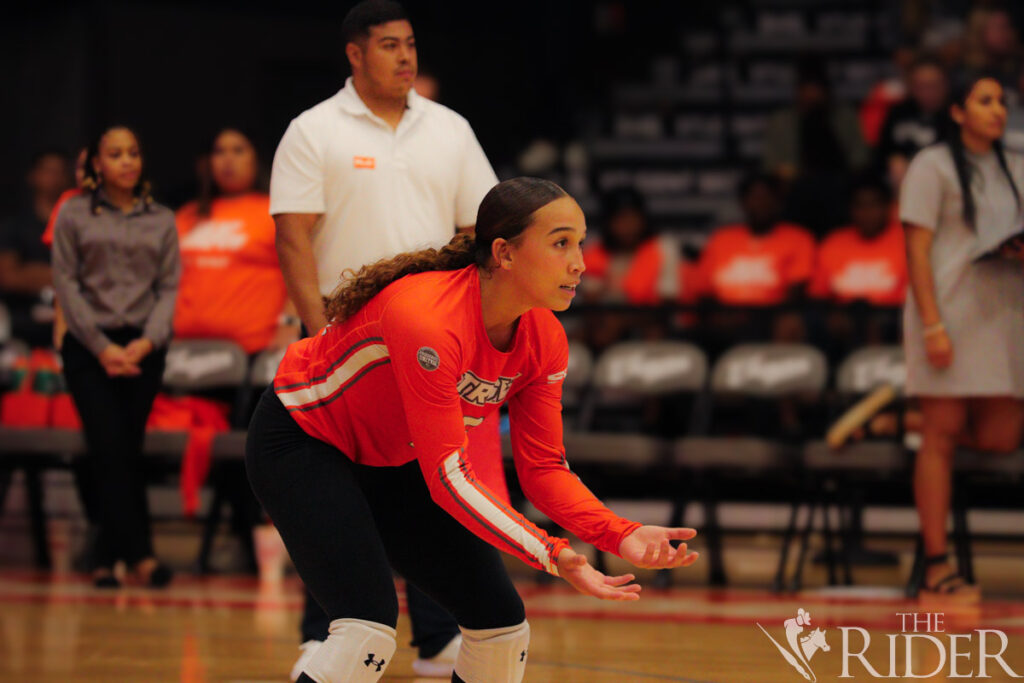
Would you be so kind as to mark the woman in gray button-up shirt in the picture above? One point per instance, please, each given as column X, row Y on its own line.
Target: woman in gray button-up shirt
column 116, row 269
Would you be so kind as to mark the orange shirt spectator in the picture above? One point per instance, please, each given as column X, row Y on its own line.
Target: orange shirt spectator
column 231, row 284
column 866, row 260
column 742, row 268
column 629, row 264
column 851, row 267
column 630, row 277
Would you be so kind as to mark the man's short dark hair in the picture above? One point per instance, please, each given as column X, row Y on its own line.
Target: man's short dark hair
column 871, row 182
column 755, row 178
column 368, row 13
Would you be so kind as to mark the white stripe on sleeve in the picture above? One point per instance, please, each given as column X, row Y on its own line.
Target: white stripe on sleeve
column 494, row 515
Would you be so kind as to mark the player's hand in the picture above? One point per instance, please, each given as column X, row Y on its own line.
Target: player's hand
column 939, row 349
column 650, row 547
column 575, row 569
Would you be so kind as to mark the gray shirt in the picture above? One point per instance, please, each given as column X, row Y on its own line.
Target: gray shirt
column 981, row 302
column 115, row 269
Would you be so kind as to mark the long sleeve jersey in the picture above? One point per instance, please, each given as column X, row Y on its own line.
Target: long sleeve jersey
column 406, row 376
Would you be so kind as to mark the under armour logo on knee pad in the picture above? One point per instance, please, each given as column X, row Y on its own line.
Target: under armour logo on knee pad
column 371, row 661
column 522, row 656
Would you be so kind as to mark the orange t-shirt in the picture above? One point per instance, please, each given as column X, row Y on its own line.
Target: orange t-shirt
column 406, row 376
column 231, row 283
column 743, row 269
column 638, row 283
column 48, row 233
column 851, row 268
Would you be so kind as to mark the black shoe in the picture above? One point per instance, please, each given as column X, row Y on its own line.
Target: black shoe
column 160, row 576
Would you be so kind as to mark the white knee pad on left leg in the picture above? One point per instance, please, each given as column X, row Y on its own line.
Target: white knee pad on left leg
column 494, row 655
column 356, row 651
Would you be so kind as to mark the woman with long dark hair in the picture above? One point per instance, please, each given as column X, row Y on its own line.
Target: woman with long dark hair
column 964, row 315
column 357, row 450
column 115, row 269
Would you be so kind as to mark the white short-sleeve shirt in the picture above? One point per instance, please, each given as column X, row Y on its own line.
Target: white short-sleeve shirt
column 381, row 191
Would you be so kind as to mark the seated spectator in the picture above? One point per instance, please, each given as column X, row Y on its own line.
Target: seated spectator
column 916, row 122
column 991, row 44
column 26, row 283
column 627, row 264
column 884, row 94
column 814, row 146
column 762, row 262
column 231, row 284
column 232, row 288
column 863, row 262
column 866, row 260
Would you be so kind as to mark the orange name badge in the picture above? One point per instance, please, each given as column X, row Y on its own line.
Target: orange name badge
column 364, row 162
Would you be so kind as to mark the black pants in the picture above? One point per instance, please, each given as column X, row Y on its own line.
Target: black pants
column 114, row 411
column 346, row 525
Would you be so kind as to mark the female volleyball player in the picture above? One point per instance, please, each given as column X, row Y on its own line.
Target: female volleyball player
column 356, row 451
column 964, row 316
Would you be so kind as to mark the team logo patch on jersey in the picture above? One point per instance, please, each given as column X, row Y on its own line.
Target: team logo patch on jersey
column 481, row 391
column 368, row 163
column 428, row 358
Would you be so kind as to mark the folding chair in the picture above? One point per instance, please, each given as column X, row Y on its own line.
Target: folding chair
column 753, row 378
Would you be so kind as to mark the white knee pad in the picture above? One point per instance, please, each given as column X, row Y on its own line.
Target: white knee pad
column 356, row 651
column 494, row 655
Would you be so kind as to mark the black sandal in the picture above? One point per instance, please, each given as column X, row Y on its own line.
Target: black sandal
column 951, row 584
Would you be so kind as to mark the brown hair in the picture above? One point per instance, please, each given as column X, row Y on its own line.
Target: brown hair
column 505, row 212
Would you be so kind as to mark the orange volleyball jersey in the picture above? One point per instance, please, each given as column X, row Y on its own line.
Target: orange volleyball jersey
column 850, row 267
column 407, row 375
column 231, row 284
column 740, row 268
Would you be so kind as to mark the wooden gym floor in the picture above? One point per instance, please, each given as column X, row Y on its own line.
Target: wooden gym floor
column 59, row 628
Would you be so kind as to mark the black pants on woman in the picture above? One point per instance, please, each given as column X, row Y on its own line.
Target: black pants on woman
column 347, row 525
column 114, row 411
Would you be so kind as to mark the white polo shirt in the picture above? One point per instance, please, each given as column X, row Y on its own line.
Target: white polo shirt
column 381, row 191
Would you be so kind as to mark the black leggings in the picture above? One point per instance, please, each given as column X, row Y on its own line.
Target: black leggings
column 114, row 411
column 346, row 525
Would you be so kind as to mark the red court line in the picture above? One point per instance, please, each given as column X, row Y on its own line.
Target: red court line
column 540, row 613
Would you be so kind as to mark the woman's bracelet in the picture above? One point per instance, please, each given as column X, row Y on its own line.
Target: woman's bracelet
column 932, row 330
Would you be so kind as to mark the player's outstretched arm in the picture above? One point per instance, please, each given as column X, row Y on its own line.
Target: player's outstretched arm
column 575, row 569
column 650, row 547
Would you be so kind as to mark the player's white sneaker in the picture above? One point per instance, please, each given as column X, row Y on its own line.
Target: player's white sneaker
column 442, row 664
column 308, row 649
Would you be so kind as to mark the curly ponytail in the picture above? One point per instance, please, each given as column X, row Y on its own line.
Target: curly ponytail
column 359, row 287
column 505, row 212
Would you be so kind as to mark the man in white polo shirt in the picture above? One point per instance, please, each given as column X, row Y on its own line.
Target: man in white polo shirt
column 374, row 171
